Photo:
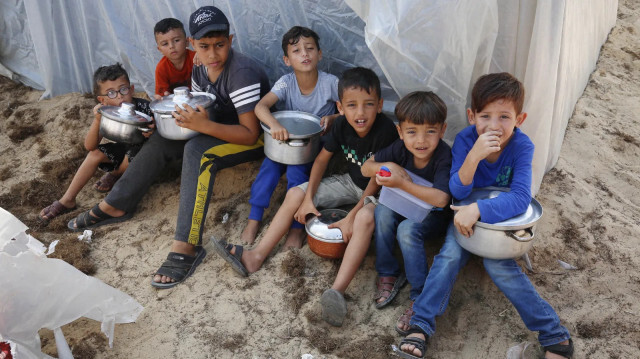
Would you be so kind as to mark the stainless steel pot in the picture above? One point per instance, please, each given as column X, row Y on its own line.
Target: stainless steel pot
column 123, row 124
column 503, row 240
column 166, row 123
column 303, row 144
column 324, row 241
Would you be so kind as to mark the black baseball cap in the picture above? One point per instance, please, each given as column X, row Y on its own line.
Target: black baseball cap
column 206, row 19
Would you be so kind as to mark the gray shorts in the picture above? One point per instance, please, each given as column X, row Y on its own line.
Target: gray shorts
column 337, row 190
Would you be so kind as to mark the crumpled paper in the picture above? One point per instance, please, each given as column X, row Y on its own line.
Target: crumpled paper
column 39, row 292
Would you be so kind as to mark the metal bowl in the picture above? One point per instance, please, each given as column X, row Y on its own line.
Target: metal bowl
column 123, row 124
column 166, row 123
column 510, row 238
column 324, row 241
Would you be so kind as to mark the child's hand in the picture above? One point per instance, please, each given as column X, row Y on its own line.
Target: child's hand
column 398, row 175
column 158, row 97
column 307, row 207
column 346, row 227
column 95, row 110
column 326, row 122
column 151, row 126
column 278, row 132
column 466, row 217
column 196, row 60
column 191, row 118
column 486, row 144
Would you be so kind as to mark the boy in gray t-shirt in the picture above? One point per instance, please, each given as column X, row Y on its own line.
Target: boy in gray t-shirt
column 305, row 89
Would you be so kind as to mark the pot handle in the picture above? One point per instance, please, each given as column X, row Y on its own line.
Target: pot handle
column 145, row 129
column 297, row 143
column 529, row 235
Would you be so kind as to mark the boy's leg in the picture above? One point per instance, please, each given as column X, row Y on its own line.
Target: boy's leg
column 261, row 192
column 387, row 266
column 535, row 312
column 203, row 157
column 296, row 175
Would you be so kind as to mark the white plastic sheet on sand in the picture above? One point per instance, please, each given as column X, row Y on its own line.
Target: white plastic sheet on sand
column 39, row 292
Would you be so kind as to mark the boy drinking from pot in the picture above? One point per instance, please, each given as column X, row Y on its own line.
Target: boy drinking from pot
column 111, row 87
column 420, row 150
column 305, row 89
column 357, row 134
column 174, row 69
column 490, row 152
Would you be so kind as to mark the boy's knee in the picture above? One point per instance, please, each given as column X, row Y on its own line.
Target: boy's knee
column 294, row 195
column 96, row 156
column 366, row 215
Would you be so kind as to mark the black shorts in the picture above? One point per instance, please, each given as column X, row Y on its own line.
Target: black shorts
column 115, row 152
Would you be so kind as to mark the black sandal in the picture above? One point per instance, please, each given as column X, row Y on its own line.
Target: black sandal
column 178, row 267
column 566, row 350
column 87, row 220
column 420, row 344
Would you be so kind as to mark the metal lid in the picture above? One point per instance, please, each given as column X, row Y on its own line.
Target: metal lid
column 300, row 125
column 524, row 220
column 180, row 96
column 126, row 113
column 317, row 226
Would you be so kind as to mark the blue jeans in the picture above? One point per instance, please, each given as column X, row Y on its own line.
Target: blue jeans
column 535, row 312
column 411, row 237
column 267, row 180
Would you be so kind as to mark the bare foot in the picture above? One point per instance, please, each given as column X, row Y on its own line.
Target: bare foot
column 295, row 238
column 549, row 355
column 178, row 247
column 250, row 231
column 410, row 348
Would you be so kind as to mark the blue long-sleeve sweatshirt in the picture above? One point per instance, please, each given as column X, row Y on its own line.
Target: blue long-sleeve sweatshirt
column 512, row 169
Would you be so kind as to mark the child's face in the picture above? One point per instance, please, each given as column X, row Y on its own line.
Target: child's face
column 117, row 87
column 304, row 55
column 421, row 140
column 172, row 44
column 213, row 51
column 499, row 116
column 360, row 108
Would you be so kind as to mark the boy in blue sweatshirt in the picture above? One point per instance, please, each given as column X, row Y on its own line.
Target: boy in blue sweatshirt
column 490, row 152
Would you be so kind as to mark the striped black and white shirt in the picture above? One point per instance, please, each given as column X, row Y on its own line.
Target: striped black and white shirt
column 238, row 88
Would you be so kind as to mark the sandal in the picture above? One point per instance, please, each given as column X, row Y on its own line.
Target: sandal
column 224, row 250
column 420, row 344
column 566, row 350
column 106, row 182
column 87, row 220
column 387, row 288
column 54, row 210
column 178, row 267
column 334, row 307
column 405, row 319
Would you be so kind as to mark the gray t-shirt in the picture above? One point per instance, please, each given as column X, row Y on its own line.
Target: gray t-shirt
column 321, row 102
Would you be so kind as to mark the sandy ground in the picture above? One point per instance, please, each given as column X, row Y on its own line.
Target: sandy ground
column 592, row 215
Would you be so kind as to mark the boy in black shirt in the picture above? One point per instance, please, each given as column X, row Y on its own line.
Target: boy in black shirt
column 357, row 134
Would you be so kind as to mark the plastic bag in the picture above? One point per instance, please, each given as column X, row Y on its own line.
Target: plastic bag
column 39, row 292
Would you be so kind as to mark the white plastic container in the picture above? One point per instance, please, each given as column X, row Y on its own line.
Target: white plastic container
column 406, row 204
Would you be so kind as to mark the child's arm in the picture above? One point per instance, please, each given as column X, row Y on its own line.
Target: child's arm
column 278, row 132
column 319, row 166
column 246, row 132
column 92, row 139
column 346, row 224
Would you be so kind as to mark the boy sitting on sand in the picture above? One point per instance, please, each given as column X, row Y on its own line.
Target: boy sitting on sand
column 357, row 134
column 490, row 152
column 420, row 150
column 174, row 69
column 305, row 89
column 111, row 87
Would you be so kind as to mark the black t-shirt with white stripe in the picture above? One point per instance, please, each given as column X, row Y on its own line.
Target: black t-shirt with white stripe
column 238, row 88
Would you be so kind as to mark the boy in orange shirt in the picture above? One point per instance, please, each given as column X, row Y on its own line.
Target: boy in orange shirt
column 174, row 69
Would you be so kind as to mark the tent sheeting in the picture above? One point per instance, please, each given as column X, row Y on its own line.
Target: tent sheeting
column 439, row 45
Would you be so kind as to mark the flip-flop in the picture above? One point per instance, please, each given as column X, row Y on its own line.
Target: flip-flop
column 224, row 250
column 391, row 285
column 86, row 220
column 334, row 307
column 178, row 267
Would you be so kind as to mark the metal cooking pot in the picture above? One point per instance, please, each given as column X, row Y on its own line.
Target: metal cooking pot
column 124, row 124
column 511, row 238
column 303, row 144
column 162, row 108
column 323, row 241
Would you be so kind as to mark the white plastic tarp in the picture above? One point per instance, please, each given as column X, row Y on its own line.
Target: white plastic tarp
column 438, row 45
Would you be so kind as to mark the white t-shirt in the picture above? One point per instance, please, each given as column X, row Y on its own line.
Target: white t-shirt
column 321, row 102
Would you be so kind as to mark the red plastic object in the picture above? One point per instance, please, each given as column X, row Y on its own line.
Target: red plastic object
column 6, row 349
column 384, row 172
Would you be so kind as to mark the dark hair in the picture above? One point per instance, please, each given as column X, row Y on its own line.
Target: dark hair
column 421, row 107
column 165, row 25
column 215, row 33
column 107, row 73
column 361, row 78
column 294, row 34
column 498, row 86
